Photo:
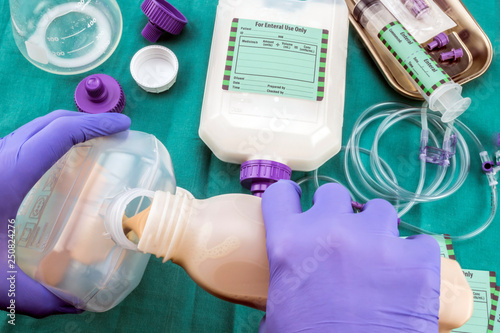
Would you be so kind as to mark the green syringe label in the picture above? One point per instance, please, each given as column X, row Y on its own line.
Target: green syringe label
column 412, row 56
column 276, row 59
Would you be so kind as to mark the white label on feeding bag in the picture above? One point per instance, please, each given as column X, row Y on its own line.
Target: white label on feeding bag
column 276, row 59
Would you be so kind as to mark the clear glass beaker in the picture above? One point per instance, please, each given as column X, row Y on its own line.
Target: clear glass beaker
column 66, row 37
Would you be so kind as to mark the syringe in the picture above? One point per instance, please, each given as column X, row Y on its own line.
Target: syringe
column 438, row 89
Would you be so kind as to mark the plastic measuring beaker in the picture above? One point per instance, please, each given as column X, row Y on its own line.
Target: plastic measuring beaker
column 66, row 37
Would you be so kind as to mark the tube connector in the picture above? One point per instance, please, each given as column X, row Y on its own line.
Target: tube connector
column 440, row 40
column 436, row 155
column 424, row 139
column 489, row 168
column 497, row 158
column 453, row 55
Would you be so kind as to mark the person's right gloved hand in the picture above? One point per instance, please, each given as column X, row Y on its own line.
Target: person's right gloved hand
column 333, row 270
column 25, row 155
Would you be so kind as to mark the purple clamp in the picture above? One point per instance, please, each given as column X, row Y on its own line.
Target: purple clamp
column 452, row 55
column 258, row 175
column 437, row 155
column 439, row 41
column 163, row 17
column 99, row 93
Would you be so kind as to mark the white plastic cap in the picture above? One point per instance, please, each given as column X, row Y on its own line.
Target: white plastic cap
column 448, row 100
column 154, row 68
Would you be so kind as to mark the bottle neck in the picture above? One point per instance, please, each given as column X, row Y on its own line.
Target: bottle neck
column 166, row 223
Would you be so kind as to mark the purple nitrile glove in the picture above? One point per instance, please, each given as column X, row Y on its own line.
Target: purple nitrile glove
column 25, row 155
column 333, row 270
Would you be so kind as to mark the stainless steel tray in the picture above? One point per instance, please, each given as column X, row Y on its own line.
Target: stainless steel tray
column 478, row 51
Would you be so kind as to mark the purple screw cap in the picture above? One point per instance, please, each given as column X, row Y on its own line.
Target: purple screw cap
column 99, row 93
column 452, row 55
column 258, row 175
column 439, row 41
column 163, row 17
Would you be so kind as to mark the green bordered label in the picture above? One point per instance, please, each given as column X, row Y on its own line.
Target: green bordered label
column 494, row 301
column 276, row 59
column 449, row 247
column 412, row 56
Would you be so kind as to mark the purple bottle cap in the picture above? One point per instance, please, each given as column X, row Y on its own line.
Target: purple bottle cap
column 258, row 175
column 99, row 93
column 163, row 17
column 439, row 41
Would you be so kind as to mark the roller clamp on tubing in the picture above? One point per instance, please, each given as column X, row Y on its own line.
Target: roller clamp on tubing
column 436, row 155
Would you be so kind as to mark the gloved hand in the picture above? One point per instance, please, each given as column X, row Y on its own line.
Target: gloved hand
column 25, row 155
column 333, row 270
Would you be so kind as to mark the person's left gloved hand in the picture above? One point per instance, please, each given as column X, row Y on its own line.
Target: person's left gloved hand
column 25, row 155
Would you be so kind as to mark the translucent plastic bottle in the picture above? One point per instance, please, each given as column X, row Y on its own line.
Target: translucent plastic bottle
column 66, row 37
column 435, row 86
column 220, row 242
column 64, row 239
column 276, row 83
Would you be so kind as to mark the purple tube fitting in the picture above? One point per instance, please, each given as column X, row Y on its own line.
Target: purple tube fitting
column 488, row 166
column 99, row 93
column 357, row 205
column 452, row 55
column 258, row 175
column 163, row 17
column 439, row 41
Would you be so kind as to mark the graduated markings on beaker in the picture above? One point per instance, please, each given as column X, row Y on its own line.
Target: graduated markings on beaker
column 83, row 4
column 76, row 33
column 81, row 48
column 90, row 24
